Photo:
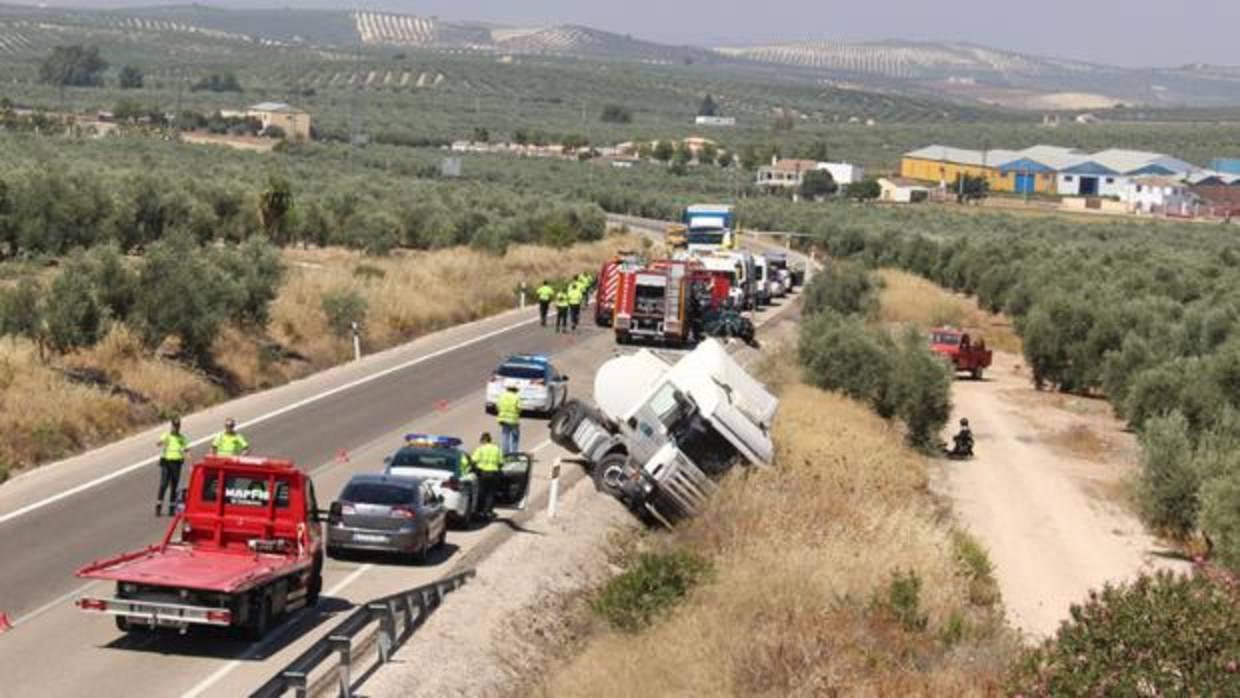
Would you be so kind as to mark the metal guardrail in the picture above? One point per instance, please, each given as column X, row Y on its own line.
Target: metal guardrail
column 407, row 609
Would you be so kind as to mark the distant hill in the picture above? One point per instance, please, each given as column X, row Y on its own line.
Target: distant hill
column 1002, row 77
column 965, row 72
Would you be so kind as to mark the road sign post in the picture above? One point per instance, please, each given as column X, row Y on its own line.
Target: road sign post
column 555, row 489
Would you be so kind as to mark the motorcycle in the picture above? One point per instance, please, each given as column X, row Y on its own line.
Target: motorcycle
column 962, row 447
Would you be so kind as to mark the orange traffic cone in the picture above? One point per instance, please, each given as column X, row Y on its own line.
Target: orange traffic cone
column 441, row 406
column 342, row 456
column 5, row 625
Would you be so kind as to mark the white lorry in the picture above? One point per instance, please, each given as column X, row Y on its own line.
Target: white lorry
column 662, row 432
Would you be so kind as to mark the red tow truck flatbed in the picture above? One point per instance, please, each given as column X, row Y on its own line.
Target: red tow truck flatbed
column 246, row 548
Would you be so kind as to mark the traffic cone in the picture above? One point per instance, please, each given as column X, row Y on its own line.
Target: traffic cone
column 342, row 456
column 5, row 625
column 441, row 406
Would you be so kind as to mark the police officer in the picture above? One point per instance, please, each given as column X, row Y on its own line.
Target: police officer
column 545, row 294
column 173, row 449
column 508, row 409
column 561, row 312
column 231, row 442
column 489, row 464
column 575, row 296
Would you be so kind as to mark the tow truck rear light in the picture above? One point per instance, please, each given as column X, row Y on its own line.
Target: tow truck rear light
column 92, row 604
column 538, row 381
column 221, row 617
column 348, row 509
column 403, row 513
column 452, row 484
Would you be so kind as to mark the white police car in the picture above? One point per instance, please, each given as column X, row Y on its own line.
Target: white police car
column 541, row 387
column 440, row 462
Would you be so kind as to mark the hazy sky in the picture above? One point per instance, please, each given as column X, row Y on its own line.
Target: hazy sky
column 1126, row 32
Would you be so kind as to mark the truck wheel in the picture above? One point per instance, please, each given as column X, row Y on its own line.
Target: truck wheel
column 564, row 422
column 260, row 620
column 608, row 474
column 978, row 372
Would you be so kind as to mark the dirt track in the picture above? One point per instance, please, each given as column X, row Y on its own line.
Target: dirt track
column 1044, row 495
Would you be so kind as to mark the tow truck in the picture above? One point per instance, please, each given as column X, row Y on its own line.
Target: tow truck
column 245, row 548
column 962, row 351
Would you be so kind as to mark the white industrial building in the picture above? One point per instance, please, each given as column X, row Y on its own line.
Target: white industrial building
column 1158, row 194
column 1109, row 172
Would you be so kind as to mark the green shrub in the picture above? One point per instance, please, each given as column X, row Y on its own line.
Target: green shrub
column 74, row 318
column 649, row 588
column 921, row 385
column 183, row 293
column 1165, row 635
column 1220, row 515
column 368, row 272
column 902, row 601
column 846, row 355
column 983, row 587
column 343, row 307
column 1169, row 480
column 844, row 287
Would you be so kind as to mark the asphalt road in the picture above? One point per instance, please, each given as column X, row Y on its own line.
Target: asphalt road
column 56, row 519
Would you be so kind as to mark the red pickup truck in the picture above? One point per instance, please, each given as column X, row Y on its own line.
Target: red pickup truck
column 249, row 550
column 964, row 352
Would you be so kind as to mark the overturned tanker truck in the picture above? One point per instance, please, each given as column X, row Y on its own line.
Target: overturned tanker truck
column 662, row 433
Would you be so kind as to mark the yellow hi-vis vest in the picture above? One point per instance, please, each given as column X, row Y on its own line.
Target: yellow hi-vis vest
column 574, row 295
column 488, row 458
column 545, row 293
column 508, row 408
column 561, row 300
column 174, row 446
column 230, row 444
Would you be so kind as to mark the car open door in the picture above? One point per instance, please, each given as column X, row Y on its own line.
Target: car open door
column 515, row 483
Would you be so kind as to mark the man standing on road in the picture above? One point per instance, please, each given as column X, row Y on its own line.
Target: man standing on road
column 561, row 312
column 508, row 407
column 174, row 448
column 575, row 296
column 230, row 443
column 489, row 463
column 545, row 293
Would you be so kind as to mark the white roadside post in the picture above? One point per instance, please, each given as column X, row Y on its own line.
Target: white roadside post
column 522, row 295
column 357, row 343
column 555, row 489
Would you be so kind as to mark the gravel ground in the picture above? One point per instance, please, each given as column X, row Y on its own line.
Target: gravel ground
column 491, row 637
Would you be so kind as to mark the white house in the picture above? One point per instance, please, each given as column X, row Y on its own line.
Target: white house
column 1158, row 195
column 843, row 172
column 790, row 174
column 899, row 190
column 715, row 121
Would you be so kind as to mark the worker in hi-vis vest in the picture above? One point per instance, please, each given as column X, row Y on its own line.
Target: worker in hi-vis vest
column 173, row 450
column 508, row 409
column 230, row 443
column 545, row 294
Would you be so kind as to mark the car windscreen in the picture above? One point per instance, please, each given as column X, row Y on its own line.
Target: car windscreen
column 243, row 491
column 378, row 493
column 427, row 459
column 950, row 339
column 705, row 237
column 524, row 371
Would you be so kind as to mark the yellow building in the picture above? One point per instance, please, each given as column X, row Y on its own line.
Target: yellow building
column 294, row 122
column 1028, row 171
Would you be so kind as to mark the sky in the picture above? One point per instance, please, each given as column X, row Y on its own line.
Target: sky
column 1120, row 32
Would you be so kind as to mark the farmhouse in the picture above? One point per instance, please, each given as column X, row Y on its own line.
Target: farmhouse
column 724, row 121
column 1158, row 195
column 294, row 122
column 899, row 190
column 790, row 174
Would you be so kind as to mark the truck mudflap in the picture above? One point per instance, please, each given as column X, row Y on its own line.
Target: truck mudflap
column 154, row 614
column 681, row 488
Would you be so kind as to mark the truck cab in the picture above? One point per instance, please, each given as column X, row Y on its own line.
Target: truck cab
column 247, row 548
column 710, row 227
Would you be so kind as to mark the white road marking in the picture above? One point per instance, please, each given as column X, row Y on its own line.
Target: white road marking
column 257, row 420
column 253, row 652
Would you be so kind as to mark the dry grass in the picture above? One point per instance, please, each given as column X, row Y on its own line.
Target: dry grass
column 910, row 299
column 45, row 417
column 1081, row 442
column 801, row 552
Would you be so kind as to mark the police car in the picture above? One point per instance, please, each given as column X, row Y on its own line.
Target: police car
column 541, row 387
column 440, row 462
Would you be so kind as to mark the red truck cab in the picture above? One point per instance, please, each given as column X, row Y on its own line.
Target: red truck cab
column 964, row 352
column 246, row 548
